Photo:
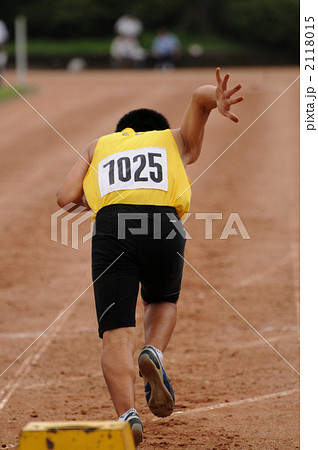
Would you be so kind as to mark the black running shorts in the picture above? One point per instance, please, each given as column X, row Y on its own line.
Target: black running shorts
column 135, row 244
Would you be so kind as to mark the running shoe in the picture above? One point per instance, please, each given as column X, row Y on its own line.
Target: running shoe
column 136, row 426
column 159, row 392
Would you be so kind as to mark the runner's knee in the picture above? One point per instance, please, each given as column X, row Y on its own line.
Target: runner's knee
column 119, row 337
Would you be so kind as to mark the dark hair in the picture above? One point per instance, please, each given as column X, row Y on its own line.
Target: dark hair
column 143, row 119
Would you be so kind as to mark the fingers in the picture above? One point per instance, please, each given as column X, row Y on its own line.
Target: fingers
column 225, row 80
column 223, row 83
column 233, row 90
column 218, row 77
column 227, row 113
column 236, row 100
column 231, row 116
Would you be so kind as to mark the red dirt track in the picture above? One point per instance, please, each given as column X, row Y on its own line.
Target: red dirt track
column 232, row 389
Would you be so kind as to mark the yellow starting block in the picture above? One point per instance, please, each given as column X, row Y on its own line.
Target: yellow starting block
column 76, row 436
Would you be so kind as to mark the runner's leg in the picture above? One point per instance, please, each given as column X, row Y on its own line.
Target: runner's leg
column 159, row 323
column 118, row 367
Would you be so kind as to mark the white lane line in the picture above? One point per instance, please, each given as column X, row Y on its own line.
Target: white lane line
column 60, row 315
column 270, row 339
column 38, row 333
column 239, row 314
column 234, row 403
column 60, row 383
column 49, row 334
column 260, row 277
column 26, row 366
column 19, row 335
column 293, row 225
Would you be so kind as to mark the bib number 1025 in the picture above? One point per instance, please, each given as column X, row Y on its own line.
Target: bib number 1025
column 143, row 168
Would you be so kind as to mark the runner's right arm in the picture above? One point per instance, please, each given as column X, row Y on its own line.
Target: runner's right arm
column 71, row 190
column 189, row 136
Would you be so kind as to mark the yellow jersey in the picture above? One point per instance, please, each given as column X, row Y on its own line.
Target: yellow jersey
column 137, row 169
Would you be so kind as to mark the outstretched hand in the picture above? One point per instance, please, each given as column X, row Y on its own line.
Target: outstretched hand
column 223, row 96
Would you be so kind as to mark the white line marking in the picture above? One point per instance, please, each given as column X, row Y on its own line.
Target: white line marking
column 284, row 328
column 234, row 403
column 37, row 333
column 260, row 276
column 61, row 314
column 294, row 228
column 239, row 314
column 19, row 335
column 258, row 342
column 26, row 366
column 61, row 382
column 57, row 318
column 32, row 359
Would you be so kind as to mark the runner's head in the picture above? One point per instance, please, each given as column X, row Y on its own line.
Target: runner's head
column 143, row 120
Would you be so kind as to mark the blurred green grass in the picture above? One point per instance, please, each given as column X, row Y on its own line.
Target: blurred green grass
column 69, row 47
column 46, row 47
column 7, row 93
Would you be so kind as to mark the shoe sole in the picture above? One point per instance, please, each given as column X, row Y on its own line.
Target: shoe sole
column 161, row 402
column 137, row 433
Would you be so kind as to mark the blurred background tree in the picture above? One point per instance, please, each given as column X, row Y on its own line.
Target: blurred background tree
column 269, row 24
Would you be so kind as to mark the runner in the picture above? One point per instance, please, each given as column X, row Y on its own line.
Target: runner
column 135, row 182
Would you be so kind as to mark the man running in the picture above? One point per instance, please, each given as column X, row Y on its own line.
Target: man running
column 135, row 182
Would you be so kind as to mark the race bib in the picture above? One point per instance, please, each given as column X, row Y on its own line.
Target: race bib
column 143, row 168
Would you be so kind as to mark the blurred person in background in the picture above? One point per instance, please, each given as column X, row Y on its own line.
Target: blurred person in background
column 125, row 49
column 166, row 49
column 4, row 36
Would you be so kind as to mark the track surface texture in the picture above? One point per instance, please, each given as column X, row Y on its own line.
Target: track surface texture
column 232, row 389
